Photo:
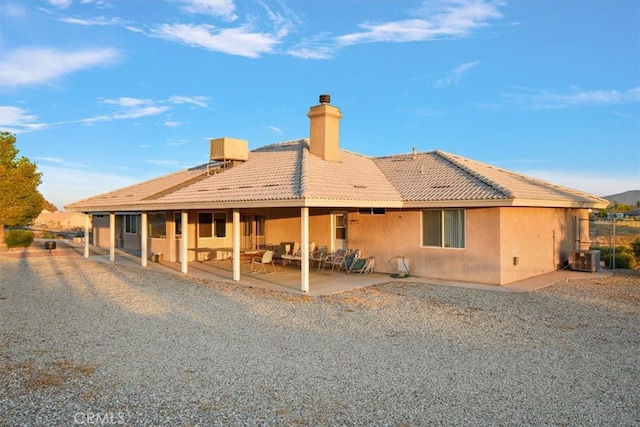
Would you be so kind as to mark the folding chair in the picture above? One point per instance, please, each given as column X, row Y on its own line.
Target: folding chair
column 266, row 258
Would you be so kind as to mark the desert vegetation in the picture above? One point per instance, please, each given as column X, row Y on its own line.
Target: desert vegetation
column 625, row 239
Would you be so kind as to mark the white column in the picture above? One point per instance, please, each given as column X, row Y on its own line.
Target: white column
column 87, row 221
column 236, row 245
column 112, row 236
column 144, row 240
column 304, row 250
column 184, row 248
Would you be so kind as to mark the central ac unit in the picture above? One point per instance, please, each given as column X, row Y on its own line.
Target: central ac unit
column 584, row 261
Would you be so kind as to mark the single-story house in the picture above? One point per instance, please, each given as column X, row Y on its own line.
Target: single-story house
column 449, row 217
column 59, row 220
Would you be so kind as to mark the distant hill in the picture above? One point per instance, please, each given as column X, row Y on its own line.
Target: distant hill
column 627, row 198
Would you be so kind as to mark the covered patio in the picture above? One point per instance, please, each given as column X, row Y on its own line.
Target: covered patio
column 284, row 279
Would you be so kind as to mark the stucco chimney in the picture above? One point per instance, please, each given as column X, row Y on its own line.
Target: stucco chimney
column 325, row 130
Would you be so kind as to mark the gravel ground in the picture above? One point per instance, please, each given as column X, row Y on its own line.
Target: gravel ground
column 85, row 343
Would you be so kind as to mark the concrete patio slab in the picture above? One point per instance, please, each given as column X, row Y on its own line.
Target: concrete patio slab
column 287, row 278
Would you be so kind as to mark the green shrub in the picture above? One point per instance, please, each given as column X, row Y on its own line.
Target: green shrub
column 606, row 250
column 18, row 238
column 635, row 248
column 623, row 260
column 48, row 235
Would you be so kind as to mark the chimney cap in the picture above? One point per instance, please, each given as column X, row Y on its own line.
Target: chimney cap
column 325, row 98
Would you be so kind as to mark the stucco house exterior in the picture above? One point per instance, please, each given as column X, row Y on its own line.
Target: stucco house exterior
column 59, row 220
column 450, row 217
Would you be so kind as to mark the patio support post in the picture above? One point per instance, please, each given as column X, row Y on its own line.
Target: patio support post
column 304, row 248
column 184, row 248
column 112, row 236
column 87, row 220
column 144, row 241
column 236, row 245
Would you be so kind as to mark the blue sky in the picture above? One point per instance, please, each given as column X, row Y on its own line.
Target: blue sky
column 103, row 94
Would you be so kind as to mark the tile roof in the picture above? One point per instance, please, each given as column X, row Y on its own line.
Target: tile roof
column 441, row 176
column 287, row 173
column 133, row 195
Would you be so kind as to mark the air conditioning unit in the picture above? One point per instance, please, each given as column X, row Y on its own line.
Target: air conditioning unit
column 584, row 261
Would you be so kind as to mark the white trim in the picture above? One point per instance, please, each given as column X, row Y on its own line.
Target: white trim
column 184, row 243
column 144, row 239
column 112, row 236
column 236, row 245
column 87, row 220
column 304, row 248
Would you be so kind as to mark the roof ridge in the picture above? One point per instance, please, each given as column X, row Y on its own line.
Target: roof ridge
column 491, row 183
column 451, row 157
column 304, row 168
column 278, row 145
column 410, row 154
column 169, row 190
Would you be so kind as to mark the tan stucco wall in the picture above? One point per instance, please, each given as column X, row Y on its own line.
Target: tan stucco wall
column 284, row 225
column 540, row 239
column 398, row 234
column 101, row 231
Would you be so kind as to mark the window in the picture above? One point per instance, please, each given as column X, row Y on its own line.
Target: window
column 372, row 211
column 212, row 225
column 220, row 222
column 177, row 221
column 205, row 221
column 443, row 228
column 157, row 225
column 131, row 224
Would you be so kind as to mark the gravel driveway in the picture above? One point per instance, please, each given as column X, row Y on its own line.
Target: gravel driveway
column 85, row 343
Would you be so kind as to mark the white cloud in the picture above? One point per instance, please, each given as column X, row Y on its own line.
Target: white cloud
column 240, row 41
column 575, row 97
column 13, row 10
column 135, row 108
column 97, row 21
column 171, row 123
column 313, row 48
column 200, row 101
column 50, row 159
column 224, row 9
column 60, row 4
column 17, row 120
column 456, row 74
column 129, row 108
column 434, row 20
column 275, row 129
column 34, row 66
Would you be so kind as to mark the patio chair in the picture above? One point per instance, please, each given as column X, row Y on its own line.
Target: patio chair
column 362, row 266
column 336, row 259
column 266, row 258
column 318, row 256
column 296, row 249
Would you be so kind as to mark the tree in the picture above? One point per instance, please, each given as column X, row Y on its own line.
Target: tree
column 20, row 200
column 49, row 206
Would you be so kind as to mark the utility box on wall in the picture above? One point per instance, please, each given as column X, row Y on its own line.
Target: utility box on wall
column 584, row 261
